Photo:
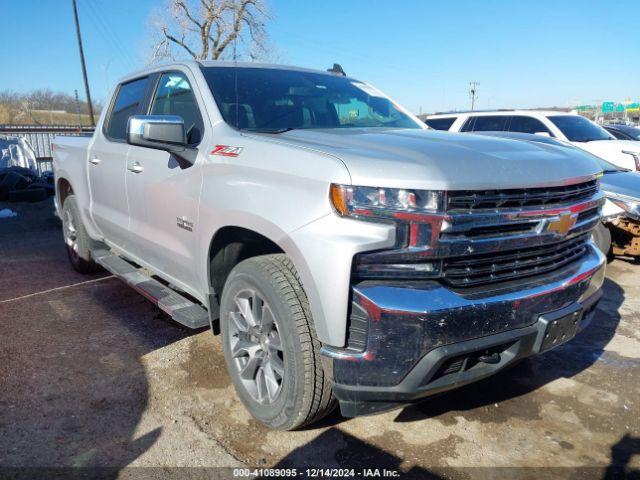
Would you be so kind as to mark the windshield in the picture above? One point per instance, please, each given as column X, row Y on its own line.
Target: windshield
column 579, row 129
column 275, row 100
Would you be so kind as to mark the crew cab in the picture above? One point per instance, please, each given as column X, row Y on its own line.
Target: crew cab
column 564, row 126
column 346, row 253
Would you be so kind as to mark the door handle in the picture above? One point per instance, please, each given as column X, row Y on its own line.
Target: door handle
column 136, row 168
column 94, row 161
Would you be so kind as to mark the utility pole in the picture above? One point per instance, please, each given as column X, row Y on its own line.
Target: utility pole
column 84, row 67
column 78, row 111
column 473, row 93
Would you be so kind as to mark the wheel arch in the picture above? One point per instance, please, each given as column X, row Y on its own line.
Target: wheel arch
column 229, row 246
column 238, row 243
column 63, row 190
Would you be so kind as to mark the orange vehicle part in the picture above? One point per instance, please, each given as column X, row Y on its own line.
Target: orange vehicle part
column 626, row 237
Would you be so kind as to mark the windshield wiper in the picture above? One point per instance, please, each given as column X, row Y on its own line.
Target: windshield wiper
column 269, row 130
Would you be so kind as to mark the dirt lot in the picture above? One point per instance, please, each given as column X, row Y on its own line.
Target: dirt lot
column 91, row 374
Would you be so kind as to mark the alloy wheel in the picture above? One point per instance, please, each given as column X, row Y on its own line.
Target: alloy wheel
column 70, row 234
column 256, row 346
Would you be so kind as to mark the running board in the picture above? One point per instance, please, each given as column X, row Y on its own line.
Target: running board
column 181, row 309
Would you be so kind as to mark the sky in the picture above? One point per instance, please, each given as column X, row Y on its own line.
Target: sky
column 423, row 53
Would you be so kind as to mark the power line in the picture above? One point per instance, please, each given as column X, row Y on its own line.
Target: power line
column 109, row 35
column 127, row 51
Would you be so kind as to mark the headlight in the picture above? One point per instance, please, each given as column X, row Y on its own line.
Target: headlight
column 630, row 205
column 373, row 203
column 636, row 158
column 412, row 211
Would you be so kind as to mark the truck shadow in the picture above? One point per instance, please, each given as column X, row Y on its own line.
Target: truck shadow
column 142, row 328
column 74, row 380
column 621, row 454
column 335, row 449
column 532, row 373
column 76, row 387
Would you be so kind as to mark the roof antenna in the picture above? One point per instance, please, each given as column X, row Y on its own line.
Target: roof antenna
column 337, row 70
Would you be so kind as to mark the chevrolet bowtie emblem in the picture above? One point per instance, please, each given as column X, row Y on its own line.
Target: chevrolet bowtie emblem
column 563, row 224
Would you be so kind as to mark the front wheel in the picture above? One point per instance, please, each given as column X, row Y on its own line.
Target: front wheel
column 270, row 346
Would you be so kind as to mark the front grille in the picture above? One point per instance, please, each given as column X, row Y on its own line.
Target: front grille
column 476, row 270
column 517, row 198
column 496, row 230
column 591, row 213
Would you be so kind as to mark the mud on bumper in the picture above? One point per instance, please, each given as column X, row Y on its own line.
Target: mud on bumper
column 409, row 341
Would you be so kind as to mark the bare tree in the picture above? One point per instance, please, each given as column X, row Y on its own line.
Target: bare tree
column 210, row 29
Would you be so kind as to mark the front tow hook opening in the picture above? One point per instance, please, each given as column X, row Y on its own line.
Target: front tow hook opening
column 490, row 358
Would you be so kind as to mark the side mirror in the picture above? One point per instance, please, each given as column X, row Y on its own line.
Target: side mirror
column 161, row 132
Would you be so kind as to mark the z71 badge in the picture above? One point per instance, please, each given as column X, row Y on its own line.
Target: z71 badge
column 226, row 151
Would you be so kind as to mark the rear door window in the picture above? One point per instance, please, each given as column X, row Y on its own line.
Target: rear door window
column 127, row 103
column 490, row 123
column 523, row 124
column 440, row 123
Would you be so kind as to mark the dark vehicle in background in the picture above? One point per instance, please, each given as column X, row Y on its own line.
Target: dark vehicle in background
column 623, row 132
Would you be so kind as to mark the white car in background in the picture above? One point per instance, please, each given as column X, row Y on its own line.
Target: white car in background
column 565, row 126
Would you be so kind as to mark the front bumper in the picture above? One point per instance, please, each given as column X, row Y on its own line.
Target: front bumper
column 417, row 334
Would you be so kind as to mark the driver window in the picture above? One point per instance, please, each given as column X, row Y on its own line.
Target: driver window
column 174, row 96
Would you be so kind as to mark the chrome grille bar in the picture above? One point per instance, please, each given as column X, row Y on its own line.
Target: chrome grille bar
column 467, row 200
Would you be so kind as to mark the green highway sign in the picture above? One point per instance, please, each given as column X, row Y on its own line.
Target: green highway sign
column 608, row 107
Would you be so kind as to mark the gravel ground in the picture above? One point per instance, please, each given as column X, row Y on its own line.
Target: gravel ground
column 93, row 375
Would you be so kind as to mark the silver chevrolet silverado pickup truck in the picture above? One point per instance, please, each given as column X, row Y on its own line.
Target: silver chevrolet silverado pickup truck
column 346, row 253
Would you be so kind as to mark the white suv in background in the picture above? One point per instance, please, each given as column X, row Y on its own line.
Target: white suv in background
column 565, row 126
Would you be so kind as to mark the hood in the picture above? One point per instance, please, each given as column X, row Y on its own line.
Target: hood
column 427, row 159
column 611, row 150
column 622, row 183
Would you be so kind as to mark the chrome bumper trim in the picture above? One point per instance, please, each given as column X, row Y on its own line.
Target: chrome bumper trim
column 409, row 319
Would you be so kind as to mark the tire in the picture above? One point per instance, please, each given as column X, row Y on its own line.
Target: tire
column 602, row 238
column 76, row 240
column 285, row 394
